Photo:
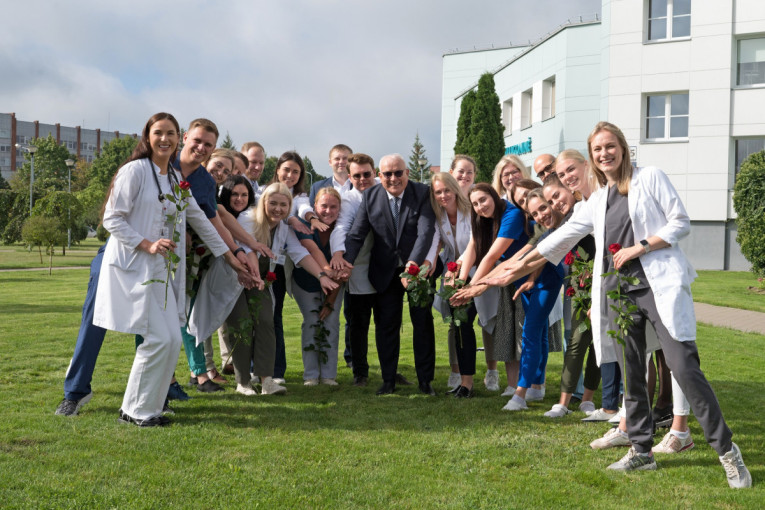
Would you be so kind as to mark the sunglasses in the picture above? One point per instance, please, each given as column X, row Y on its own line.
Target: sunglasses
column 362, row 175
column 546, row 170
column 389, row 175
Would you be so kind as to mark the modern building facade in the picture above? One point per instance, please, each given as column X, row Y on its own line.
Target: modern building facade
column 683, row 79
column 82, row 143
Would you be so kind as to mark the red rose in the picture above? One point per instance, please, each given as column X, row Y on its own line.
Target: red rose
column 570, row 292
column 569, row 259
column 614, row 248
column 452, row 267
column 200, row 250
column 270, row 276
column 413, row 270
column 582, row 285
column 184, row 185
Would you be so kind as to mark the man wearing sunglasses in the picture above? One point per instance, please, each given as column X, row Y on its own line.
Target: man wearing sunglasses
column 401, row 220
column 544, row 165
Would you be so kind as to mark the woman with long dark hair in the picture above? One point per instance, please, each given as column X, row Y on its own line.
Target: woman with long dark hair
column 137, row 213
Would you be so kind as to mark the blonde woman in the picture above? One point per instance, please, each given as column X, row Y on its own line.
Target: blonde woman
column 509, row 170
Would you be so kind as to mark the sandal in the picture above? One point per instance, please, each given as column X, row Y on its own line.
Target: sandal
column 215, row 376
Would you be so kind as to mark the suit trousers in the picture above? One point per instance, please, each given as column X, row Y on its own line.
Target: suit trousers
column 683, row 360
column 89, row 340
column 280, row 289
column 358, row 313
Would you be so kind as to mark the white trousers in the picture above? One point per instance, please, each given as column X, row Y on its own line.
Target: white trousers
column 155, row 358
column 308, row 302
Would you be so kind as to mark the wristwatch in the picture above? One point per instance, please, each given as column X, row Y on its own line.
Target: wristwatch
column 238, row 251
column 645, row 245
column 322, row 273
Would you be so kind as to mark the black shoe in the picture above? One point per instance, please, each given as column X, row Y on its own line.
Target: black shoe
column 68, row 407
column 156, row 421
column 386, row 389
column 400, row 379
column 193, row 381
column 209, row 387
column 360, row 381
column 662, row 418
column 175, row 392
column 427, row 389
column 464, row 392
column 454, row 390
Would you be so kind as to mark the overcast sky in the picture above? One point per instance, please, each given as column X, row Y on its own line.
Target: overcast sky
column 300, row 75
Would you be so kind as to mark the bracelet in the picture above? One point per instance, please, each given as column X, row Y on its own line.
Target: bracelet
column 238, row 251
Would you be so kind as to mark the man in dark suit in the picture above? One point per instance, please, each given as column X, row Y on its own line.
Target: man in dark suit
column 402, row 222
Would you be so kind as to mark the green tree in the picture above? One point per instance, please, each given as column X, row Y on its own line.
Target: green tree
column 43, row 231
column 228, row 143
column 463, row 123
column 15, row 209
column 51, row 172
column 4, row 184
column 749, row 203
column 67, row 209
column 417, row 172
column 269, row 167
column 99, row 175
column 486, row 141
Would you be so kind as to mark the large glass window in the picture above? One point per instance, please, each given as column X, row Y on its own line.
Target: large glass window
column 666, row 116
column 751, row 62
column 669, row 19
column 507, row 116
column 745, row 147
column 527, row 105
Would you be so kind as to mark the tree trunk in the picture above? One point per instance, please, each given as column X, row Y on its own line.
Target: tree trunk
column 50, row 268
column 39, row 248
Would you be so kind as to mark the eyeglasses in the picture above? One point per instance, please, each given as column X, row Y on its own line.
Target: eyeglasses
column 389, row 175
column 362, row 175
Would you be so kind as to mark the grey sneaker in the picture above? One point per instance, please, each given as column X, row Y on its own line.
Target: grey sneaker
column 491, row 380
column 737, row 473
column 69, row 407
column 635, row 461
column 455, row 381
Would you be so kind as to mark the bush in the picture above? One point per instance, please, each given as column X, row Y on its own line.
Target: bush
column 749, row 203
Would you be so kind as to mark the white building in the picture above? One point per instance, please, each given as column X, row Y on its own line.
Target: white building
column 683, row 79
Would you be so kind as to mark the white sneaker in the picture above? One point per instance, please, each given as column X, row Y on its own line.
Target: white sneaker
column 535, row 395
column 279, row 380
column 491, row 380
column 635, row 461
column 311, row 382
column 270, row 387
column 611, row 439
column 515, row 405
column 600, row 415
column 245, row 390
column 737, row 473
column 558, row 411
column 328, row 381
column 616, row 418
column 673, row 444
column 587, row 407
column 509, row 392
column 454, row 380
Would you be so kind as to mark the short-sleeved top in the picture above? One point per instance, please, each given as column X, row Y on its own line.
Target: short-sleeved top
column 203, row 188
column 618, row 229
column 512, row 228
column 303, row 278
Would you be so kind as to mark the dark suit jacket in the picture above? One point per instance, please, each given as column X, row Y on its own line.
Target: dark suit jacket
column 415, row 234
column 324, row 183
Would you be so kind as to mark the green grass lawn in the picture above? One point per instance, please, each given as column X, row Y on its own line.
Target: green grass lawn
column 331, row 447
column 737, row 289
column 16, row 256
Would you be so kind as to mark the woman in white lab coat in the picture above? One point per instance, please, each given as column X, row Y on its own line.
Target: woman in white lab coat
column 136, row 215
column 639, row 218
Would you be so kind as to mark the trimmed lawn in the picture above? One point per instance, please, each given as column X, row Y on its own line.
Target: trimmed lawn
column 16, row 256
column 328, row 447
column 729, row 288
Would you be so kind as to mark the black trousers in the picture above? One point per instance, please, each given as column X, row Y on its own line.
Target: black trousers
column 683, row 359
column 358, row 313
column 388, row 307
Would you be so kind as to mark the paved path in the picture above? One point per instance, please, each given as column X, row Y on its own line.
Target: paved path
column 743, row 320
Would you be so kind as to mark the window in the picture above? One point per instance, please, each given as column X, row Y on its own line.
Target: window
column 751, row 62
column 507, row 116
column 666, row 116
column 747, row 147
column 548, row 98
column 527, row 101
column 669, row 19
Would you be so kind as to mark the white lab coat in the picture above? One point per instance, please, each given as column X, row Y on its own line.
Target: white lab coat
column 134, row 213
column 219, row 289
column 655, row 208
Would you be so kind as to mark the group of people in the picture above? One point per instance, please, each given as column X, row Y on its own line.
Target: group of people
column 199, row 248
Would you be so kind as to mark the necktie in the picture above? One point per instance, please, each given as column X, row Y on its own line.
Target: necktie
column 396, row 204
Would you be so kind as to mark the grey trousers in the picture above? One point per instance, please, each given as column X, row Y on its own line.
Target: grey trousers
column 683, row 359
column 258, row 346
